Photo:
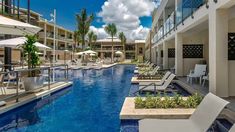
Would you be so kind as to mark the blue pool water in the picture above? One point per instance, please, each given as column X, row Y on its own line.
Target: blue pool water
column 92, row 104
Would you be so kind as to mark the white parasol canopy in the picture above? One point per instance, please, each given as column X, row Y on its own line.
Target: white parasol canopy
column 14, row 27
column 16, row 42
column 90, row 52
column 80, row 53
column 118, row 52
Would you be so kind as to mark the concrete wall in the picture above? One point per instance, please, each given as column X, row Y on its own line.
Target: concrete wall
column 197, row 38
column 231, row 64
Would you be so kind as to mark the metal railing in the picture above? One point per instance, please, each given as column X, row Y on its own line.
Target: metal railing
column 18, row 75
column 184, row 10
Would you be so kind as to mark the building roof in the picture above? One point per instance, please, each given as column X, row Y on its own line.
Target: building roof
column 109, row 39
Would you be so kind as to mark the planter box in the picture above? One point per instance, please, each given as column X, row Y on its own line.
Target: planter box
column 33, row 83
column 129, row 112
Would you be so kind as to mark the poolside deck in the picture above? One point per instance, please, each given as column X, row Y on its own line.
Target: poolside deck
column 29, row 96
column 196, row 87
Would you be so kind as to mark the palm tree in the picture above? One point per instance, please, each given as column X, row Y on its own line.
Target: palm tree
column 83, row 22
column 94, row 38
column 111, row 29
column 90, row 38
column 122, row 37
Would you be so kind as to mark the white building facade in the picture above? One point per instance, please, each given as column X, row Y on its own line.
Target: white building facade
column 189, row 32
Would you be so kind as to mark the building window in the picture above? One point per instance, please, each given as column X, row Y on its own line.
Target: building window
column 231, row 46
column 171, row 53
column 193, row 51
column 140, row 50
column 161, row 53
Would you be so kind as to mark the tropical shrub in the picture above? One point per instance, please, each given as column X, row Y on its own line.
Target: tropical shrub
column 167, row 102
column 30, row 52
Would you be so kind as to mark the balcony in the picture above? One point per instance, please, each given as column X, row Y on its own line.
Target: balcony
column 185, row 9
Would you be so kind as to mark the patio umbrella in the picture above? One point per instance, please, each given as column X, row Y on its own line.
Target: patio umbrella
column 118, row 52
column 17, row 42
column 14, row 27
column 90, row 52
column 80, row 53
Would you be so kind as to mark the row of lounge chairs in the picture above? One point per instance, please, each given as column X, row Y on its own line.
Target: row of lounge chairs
column 161, row 85
column 202, row 118
column 200, row 121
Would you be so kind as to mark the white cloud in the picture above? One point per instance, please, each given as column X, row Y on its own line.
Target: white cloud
column 126, row 15
column 99, row 32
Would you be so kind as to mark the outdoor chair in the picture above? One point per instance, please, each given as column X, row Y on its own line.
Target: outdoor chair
column 161, row 87
column 232, row 129
column 204, row 79
column 198, row 72
column 200, row 121
column 11, row 79
column 152, row 72
column 165, row 77
column 2, row 86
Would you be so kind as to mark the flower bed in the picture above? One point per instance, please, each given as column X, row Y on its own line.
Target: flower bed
column 167, row 102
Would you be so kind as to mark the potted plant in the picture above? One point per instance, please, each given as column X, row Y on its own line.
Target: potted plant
column 32, row 81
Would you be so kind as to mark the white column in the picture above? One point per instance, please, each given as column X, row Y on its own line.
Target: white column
column 45, row 39
column 155, row 55
column 165, row 55
column 179, row 54
column 218, row 52
column 159, row 55
column 45, row 34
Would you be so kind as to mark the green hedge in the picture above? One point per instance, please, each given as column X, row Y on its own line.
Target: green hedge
column 167, row 102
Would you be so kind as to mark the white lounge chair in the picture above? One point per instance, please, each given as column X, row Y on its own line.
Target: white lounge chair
column 153, row 72
column 164, row 78
column 10, row 78
column 198, row 72
column 150, row 71
column 232, row 129
column 200, row 121
column 161, row 87
column 2, row 86
column 204, row 79
column 98, row 66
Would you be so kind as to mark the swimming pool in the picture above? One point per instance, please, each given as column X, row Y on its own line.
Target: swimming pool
column 92, row 104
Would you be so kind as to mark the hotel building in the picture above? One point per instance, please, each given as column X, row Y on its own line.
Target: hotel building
column 132, row 49
column 64, row 42
column 189, row 32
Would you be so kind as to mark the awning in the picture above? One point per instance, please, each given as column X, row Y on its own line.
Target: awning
column 14, row 27
column 17, row 42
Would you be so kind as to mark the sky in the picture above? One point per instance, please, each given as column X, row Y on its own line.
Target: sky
column 133, row 17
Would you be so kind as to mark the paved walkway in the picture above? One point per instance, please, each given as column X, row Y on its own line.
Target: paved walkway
column 196, row 87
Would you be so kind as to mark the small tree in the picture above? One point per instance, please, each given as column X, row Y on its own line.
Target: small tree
column 30, row 53
column 83, row 24
column 94, row 38
column 122, row 37
column 111, row 29
column 90, row 36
